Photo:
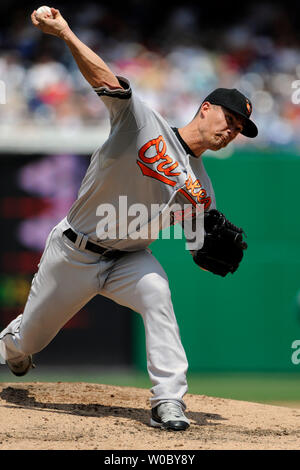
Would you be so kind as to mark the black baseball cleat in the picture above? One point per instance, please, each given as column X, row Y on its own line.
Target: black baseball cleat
column 170, row 416
column 21, row 368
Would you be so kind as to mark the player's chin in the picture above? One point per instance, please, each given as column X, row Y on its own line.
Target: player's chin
column 217, row 145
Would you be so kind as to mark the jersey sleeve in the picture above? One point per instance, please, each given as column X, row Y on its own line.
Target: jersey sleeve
column 125, row 109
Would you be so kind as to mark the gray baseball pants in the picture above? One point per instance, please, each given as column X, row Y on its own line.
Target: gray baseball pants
column 69, row 277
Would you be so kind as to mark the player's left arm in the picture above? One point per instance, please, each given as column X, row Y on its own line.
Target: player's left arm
column 92, row 67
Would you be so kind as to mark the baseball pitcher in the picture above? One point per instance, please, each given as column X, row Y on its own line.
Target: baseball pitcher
column 143, row 163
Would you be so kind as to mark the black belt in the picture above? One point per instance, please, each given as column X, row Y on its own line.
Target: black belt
column 93, row 247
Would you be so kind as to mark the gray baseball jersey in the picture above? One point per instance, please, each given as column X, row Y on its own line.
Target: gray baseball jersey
column 142, row 160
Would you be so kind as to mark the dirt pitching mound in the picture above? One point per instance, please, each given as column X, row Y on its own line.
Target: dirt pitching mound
column 82, row 416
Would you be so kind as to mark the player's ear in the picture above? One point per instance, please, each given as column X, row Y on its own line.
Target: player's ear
column 206, row 105
column 204, row 108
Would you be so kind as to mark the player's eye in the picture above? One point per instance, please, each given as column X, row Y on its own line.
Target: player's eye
column 229, row 119
column 238, row 127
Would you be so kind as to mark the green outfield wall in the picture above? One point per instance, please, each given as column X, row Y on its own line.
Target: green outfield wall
column 249, row 320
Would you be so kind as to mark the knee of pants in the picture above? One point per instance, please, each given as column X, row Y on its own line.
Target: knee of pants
column 30, row 347
column 31, row 342
column 155, row 296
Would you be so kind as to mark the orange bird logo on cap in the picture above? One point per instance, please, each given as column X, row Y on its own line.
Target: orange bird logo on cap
column 249, row 107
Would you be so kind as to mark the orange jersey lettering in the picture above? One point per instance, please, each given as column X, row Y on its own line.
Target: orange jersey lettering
column 165, row 170
column 201, row 195
column 167, row 165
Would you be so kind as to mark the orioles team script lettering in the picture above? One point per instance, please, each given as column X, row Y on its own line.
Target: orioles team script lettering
column 166, row 169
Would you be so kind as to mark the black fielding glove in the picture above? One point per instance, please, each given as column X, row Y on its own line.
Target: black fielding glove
column 223, row 247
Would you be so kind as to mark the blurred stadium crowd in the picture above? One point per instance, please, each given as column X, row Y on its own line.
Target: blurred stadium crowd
column 173, row 59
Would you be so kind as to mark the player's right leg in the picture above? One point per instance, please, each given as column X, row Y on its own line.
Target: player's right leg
column 66, row 280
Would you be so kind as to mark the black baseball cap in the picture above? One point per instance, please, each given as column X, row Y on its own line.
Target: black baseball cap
column 236, row 102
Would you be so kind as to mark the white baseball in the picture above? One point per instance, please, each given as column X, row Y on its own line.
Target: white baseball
column 43, row 9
